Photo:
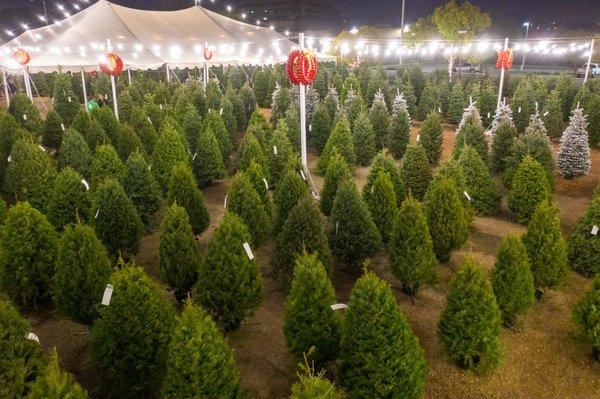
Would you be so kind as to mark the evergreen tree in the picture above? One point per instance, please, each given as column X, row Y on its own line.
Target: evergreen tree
column 353, row 236
column 128, row 142
column 144, row 128
column 321, row 127
column 200, row 363
column 279, row 153
column 447, row 219
column 354, row 108
column 134, row 329
column 487, row 102
column 587, row 318
column 27, row 255
column 503, row 115
column 381, row 121
column 25, row 113
column 95, row 135
column 106, row 164
column 282, row 99
column 584, row 247
column 553, row 117
column 213, row 95
column 482, row 190
column 431, row 137
column 471, row 132
column 310, row 325
column 573, row 159
column 169, row 151
column 428, row 101
column 383, row 162
column 523, row 104
column 529, row 188
column 215, row 122
column 126, row 104
column 251, row 150
column 55, row 383
column 260, row 184
column 471, row 322
column 292, row 120
column 383, row 205
column 67, row 199
column 141, row 187
column 501, row 147
column 229, row 282
column 535, row 144
column 458, row 102
column 244, row 201
column 52, row 130
column 260, row 84
column 107, row 119
column 363, row 137
column 116, row 221
column 415, row 170
column 407, row 90
column 82, row 271
column 11, row 132
column 377, row 333
column 351, row 84
column 337, row 173
column 512, row 280
column 582, row 98
column 249, row 100
column 452, row 169
column 332, row 104
column 65, row 102
column 207, row 161
column 565, row 86
column 226, row 112
column 313, row 386
column 400, row 127
column 593, row 119
column 184, row 191
column 81, row 122
column 290, row 190
column 340, row 139
column 74, row 152
column 536, row 124
column 412, row 258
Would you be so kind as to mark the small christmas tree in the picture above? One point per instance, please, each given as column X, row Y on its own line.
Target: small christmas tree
column 226, row 112
column 282, row 99
column 65, row 102
column 487, row 102
column 82, row 271
column 260, row 84
column 67, row 199
column 353, row 236
column 81, row 122
column 536, row 124
column 340, row 139
column 321, row 127
column 207, row 161
column 364, row 140
column 280, row 154
column 553, row 117
column 584, row 246
column 337, row 172
column 128, row 142
column 523, row 104
column 144, row 128
column 546, row 247
column 215, row 122
column 290, row 190
column 482, row 190
column 412, row 258
column 529, row 188
column 535, row 144
column 169, row 151
column 458, row 102
column 431, row 137
column 408, row 92
column 74, row 152
column 376, row 332
column 141, row 187
column 213, row 94
column 292, row 120
column 138, row 313
column 428, row 101
column 384, row 162
column 244, row 201
column 107, row 119
column 415, row 170
column 229, row 282
column 200, row 363
column 354, row 108
column 260, row 184
column 501, row 147
column 310, row 326
column 332, row 103
column 95, row 135
column 400, row 127
column 184, row 191
column 573, row 159
column 382, row 205
column 452, row 169
column 314, row 386
column 56, row 383
column 471, row 322
column 251, row 150
column 52, row 130
column 27, row 255
column 586, row 316
column 106, row 164
column 25, row 113
column 471, row 132
column 381, row 121
column 503, row 115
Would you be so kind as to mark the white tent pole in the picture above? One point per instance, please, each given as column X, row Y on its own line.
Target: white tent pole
column 303, row 115
column 205, row 75
column 168, row 73
column 501, row 78
column 587, row 68
column 6, row 93
column 129, row 75
column 27, row 84
column 85, row 101
column 114, row 86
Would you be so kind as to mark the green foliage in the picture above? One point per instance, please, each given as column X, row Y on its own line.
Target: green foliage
column 251, row 150
column 74, row 152
column 523, row 104
column 415, row 170
column 364, row 139
column 471, row 133
column 380, row 355
column 409, row 89
column 229, row 283
column 384, row 162
column 292, row 120
column 95, row 135
column 213, row 95
column 321, row 127
column 512, row 280
column 280, row 155
column 226, row 112
column 546, row 246
column 460, row 22
column 128, row 142
column 65, row 102
column 107, row 119
column 53, row 383
column 484, row 194
column 259, row 182
column 379, row 117
column 52, row 130
column 260, row 85
column 144, row 128
column 535, row 144
column 244, row 201
column 501, row 148
column 586, row 315
column 452, row 169
column 337, row 173
column 383, row 205
column 11, row 132
column 282, row 99
column 584, row 248
column 355, row 108
column 82, row 271
column 68, row 200
column 313, row 386
column 340, row 139
column 554, row 117
column 487, row 102
column 134, row 330
column 471, row 322
column 184, row 191
column 27, row 255
column 458, row 102
column 106, row 164
column 141, row 187
column 529, row 188
column 169, row 151
column 399, row 134
column 25, row 113
column 199, row 362
column 431, row 136
column 207, row 161
column 428, row 101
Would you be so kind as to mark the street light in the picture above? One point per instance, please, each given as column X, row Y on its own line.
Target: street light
column 526, row 25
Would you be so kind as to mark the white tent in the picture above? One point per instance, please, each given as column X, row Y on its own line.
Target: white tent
column 145, row 39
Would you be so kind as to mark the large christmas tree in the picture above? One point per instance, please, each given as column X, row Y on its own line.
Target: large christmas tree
column 573, row 159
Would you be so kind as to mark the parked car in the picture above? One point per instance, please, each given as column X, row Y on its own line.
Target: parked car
column 594, row 70
column 466, row 67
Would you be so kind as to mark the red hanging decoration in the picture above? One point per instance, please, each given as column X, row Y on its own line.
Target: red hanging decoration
column 21, row 56
column 208, row 54
column 113, row 65
column 302, row 67
column 505, row 59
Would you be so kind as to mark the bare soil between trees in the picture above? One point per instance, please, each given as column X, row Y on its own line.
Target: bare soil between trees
column 544, row 358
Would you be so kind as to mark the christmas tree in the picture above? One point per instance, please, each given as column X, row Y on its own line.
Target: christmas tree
column 128, row 142
column 587, row 318
column 384, row 162
column 381, row 121
column 553, row 117
column 364, row 140
column 282, row 99
column 207, row 161
column 107, row 119
column 52, row 130
column 431, row 136
column 535, row 144
column 228, row 116
column 529, row 188
column 573, row 159
column 584, row 246
column 280, row 155
column 184, row 191
column 215, row 122
column 415, row 170
column 503, row 115
column 65, row 102
column 485, row 197
column 523, row 104
column 428, row 101
column 487, row 102
column 251, row 150
column 290, row 190
column 471, row 132
column 314, row 386
column 337, row 172
column 169, row 150
column 400, row 126
column 74, row 152
column 56, row 383
column 244, row 201
column 321, row 127
column 340, row 139
column 382, row 205
column 458, row 102
column 141, row 187
column 192, row 126
column 106, row 164
column 25, row 113
column 331, row 102
column 68, row 200
column 501, row 148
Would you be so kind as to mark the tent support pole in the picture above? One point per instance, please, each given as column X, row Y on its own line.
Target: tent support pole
column 587, row 67
column 501, row 78
column 205, row 80
column 129, row 75
column 168, row 74
column 6, row 93
column 114, row 94
column 85, row 98
column 303, row 116
column 27, row 84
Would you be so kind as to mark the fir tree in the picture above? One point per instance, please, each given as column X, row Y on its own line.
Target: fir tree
column 487, row 102
column 447, row 219
column 244, row 201
column 536, row 124
column 471, row 132
column 134, row 329
column 381, row 121
column 553, row 117
column 141, row 187
column 67, row 199
column 260, row 85
column 573, row 159
column 107, row 119
column 584, row 247
column 259, row 182
column 82, row 271
column 431, row 137
column 383, row 205
column 313, row 386
column 144, row 128
column 213, row 95
column 290, row 190
column 503, row 115
column 376, row 332
column 340, row 139
column 529, row 188
column 321, row 127
column 128, row 142
column 337, row 173
column 251, row 150
column 280, row 154
column 207, row 161
column 229, row 282
column 452, row 169
column 415, row 170
column 292, row 120
column 11, row 132
column 282, row 99
column 249, row 101
column 523, row 104
column 56, row 383
column 458, row 102
column 384, row 162
column 408, row 92
column 52, row 130
column 81, row 122
column 215, row 122
column 116, row 221
column 332, row 104
column 546, row 247
column 535, row 144
column 354, row 108
column 363, row 137
column 260, row 128
column 593, row 119
column 428, row 101
column 400, row 127
column 200, row 363
column 587, row 318
column 310, row 326
column 353, row 236
column 184, row 191
column 74, row 152
column 27, row 255
column 351, row 84
column 25, row 113
column 377, row 83
column 481, row 188
column 65, row 102
column 501, row 147
column 412, row 258
column 95, row 135
column 582, row 98
column 169, row 151
column 471, row 322
column 226, row 112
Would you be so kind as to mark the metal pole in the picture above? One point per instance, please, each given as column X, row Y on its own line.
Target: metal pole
column 129, row 75
column 205, row 75
column 85, row 101
column 451, row 61
column 401, row 31
column 6, row 93
column 587, row 68
column 168, row 74
column 114, row 86
column 525, row 48
column 501, row 77
column 46, row 13
column 27, row 84
column 303, row 115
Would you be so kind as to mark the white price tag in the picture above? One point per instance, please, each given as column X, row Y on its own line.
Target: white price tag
column 310, row 128
column 467, row 195
column 194, row 157
column 418, row 137
column 546, row 113
column 519, row 110
column 9, row 158
column 86, row 184
column 489, row 115
column 97, row 213
column 302, row 174
column 160, row 106
column 69, row 98
column 32, row 337
column 108, row 291
column 225, row 201
column 594, row 230
column 149, row 120
column 337, row 226
column 266, row 183
column 24, row 117
column 275, row 149
column 221, row 111
column 439, row 110
column 338, row 306
column 62, row 126
column 41, row 147
column 248, row 251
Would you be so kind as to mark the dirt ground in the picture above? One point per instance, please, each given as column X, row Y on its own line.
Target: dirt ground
column 543, row 357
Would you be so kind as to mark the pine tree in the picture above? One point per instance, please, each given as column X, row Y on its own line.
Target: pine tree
column 487, row 102
column 351, row 84
column 106, row 164
column 292, row 120
column 400, row 127
column 244, row 201
column 68, row 200
column 65, row 102
column 383, row 205
column 215, row 122
column 428, row 101
column 52, row 130
column 282, row 99
column 381, row 121
column 116, row 221
column 584, row 247
column 260, row 84
column 458, row 102
column 376, row 332
column 134, row 329
column 447, row 219
column 128, row 142
column 95, row 135
column 169, row 151
column 354, row 107
column 332, row 103
column 226, row 112
column 311, row 328
column 363, row 137
column 213, row 95
column 340, row 139
column 126, row 104
column 529, row 188
column 11, row 132
column 251, row 150
column 27, row 255
column 573, row 159
column 321, row 127
column 229, row 282
column 353, row 236
column 582, row 97
column 200, row 363
column 144, row 128
column 415, row 170
column 523, row 104
column 452, row 169
column 384, row 162
column 593, row 119
column 313, row 386
column 407, row 90
column 535, row 144
column 337, row 173
column 501, row 147
column 249, row 100
column 431, row 137
column 184, row 191
column 471, row 132
column 56, row 383
column 412, row 258
column 482, row 190
column 503, row 115
column 74, row 152
column 302, row 231
column 81, row 122
column 82, row 271
column 279, row 154
column 141, row 187
column 290, row 190
column 553, row 117
column 471, row 322
column 536, row 124
column 207, row 161
column 587, row 318
column 25, row 113
column 107, row 119
column 259, row 182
